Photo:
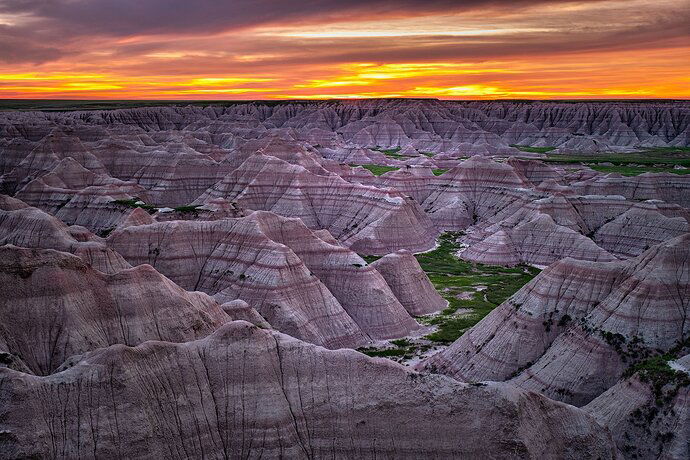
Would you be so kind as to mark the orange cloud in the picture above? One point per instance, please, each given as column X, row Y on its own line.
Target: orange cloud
column 544, row 50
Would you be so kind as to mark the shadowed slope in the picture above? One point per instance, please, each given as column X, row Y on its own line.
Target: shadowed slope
column 244, row 392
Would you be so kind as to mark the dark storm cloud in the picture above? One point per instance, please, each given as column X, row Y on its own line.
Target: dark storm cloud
column 16, row 48
column 130, row 17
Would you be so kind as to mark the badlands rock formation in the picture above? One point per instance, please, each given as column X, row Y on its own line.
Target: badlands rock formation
column 23, row 225
column 169, row 276
column 641, row 426
column 77, row 196
column 638, row 229
column 53, row 306
column 301, row 284
column 246, row 392
column 418, row 125
column 367, row 219
column 671, row 188
column 573, row 331
column 409, row 283
column 283, row 158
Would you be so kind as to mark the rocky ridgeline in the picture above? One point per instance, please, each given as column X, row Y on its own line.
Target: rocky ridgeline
column 133, row 241
column 579, row 328
column 243, row 391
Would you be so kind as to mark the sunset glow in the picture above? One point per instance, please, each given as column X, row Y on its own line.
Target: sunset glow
column 169, row 49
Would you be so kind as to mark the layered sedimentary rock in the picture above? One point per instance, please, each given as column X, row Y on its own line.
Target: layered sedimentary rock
column 232, row 259
column 77, row 196
column 476, row 189
column 214, row 209
column 45, row 156
column 409, row 283
column 239, row 310
column 53, row 305
column 175, row 151
column 23, row 225
column 257, row 206
column 572, row 331
column 362, row 292
column 535, row 172
column 648, row 413
column 597, row 211
column 541, row 241
column 671, row 188
column 495, row 249
column 177, row 154
column 417, row 182
column 302, row 284
column 136, row 216
column 367, row 219
column 244, row 391
column 171, row 179
column 636, row 230
column 531, row 226
column 508, row 221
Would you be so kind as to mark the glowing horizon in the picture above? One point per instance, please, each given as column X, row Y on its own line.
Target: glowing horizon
column 93, row 49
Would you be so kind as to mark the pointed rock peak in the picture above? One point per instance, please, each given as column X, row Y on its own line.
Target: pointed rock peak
column 496, row 249
column 326, row 236
column 7, row 203
column 500, row 237
column 672, row 254
column 408, row 150
column 239, row 310
column 136, row 216
column 489, row 172
column 59, row 142
column 68, row 166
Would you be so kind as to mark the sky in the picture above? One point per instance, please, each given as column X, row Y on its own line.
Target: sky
column 322, row 49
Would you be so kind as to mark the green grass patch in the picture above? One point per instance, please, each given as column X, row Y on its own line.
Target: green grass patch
column 452, row 276
column 661, row 158
column 452, row 328
column 636, row 171
column 668, row 150
column 658, row 160
column 401, row 342
column 393, row 153
column 383, row 353
column 136, row 203
column 390, row 151
column 427, row 154
column 377, row 170
column 188, row 209
column 527, row 148
column 404, row 348
column 661, row 377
